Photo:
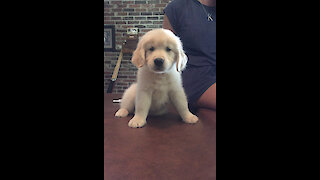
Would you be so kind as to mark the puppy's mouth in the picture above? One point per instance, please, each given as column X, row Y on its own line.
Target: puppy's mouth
column 158, row 70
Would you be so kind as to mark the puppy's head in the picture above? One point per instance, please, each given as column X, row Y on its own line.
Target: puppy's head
column 160, row 50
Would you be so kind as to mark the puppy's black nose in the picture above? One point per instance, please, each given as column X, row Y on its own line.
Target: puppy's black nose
column 158, row 62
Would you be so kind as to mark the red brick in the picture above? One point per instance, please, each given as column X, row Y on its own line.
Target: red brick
column 121, row 5
column 133, row 22
column 117, row 10
column 109, row 22
column 157, row 22
column 108, row 6
column 145, row 22
column 121, row 22
column 160, row 5
column 146, row 30
column 134, row 5
column 141, row 10
column 129, row 80
column 127, row 26
column 128, row 2
column 122, row 14
column 147, row 5
column 109, row 14
column 154, row 10
column 121, row 84
column 116, row 2
column 116, row 18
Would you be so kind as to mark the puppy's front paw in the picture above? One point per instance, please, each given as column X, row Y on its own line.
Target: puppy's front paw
column 122, row 113
column 137, row 122
column 190, row 118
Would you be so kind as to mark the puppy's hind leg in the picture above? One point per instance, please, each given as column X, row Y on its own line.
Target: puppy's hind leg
column 127, row 102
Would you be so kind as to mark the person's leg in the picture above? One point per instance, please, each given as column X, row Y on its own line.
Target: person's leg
column 208, row 98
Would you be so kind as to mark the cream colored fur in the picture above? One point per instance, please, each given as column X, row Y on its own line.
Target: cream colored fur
column 156, row 88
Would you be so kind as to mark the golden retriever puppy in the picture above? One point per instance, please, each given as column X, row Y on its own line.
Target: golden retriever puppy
column 160, row 59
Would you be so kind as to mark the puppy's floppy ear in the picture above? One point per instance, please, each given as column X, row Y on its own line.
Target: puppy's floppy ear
column 138, row 57
column 181, row 56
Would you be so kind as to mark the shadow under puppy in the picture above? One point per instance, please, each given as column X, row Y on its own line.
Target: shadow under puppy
column 160, row 58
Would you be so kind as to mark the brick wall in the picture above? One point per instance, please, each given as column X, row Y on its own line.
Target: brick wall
column 145, row 15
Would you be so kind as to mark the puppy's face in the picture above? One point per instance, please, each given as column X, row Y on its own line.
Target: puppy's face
column 160, row 54
column 160, row 50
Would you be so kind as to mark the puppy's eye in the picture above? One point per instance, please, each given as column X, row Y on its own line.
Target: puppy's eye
column 168, row 49
column 151, row 49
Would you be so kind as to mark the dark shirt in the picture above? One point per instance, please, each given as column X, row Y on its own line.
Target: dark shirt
column 189, row 20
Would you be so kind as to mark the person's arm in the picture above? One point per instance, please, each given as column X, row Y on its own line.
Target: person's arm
column 166, row 24
column 208, row 98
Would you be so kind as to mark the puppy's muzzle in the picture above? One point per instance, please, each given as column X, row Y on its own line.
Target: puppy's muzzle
column 158, row 62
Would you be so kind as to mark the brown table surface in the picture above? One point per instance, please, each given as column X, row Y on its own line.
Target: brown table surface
column 166, row 148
